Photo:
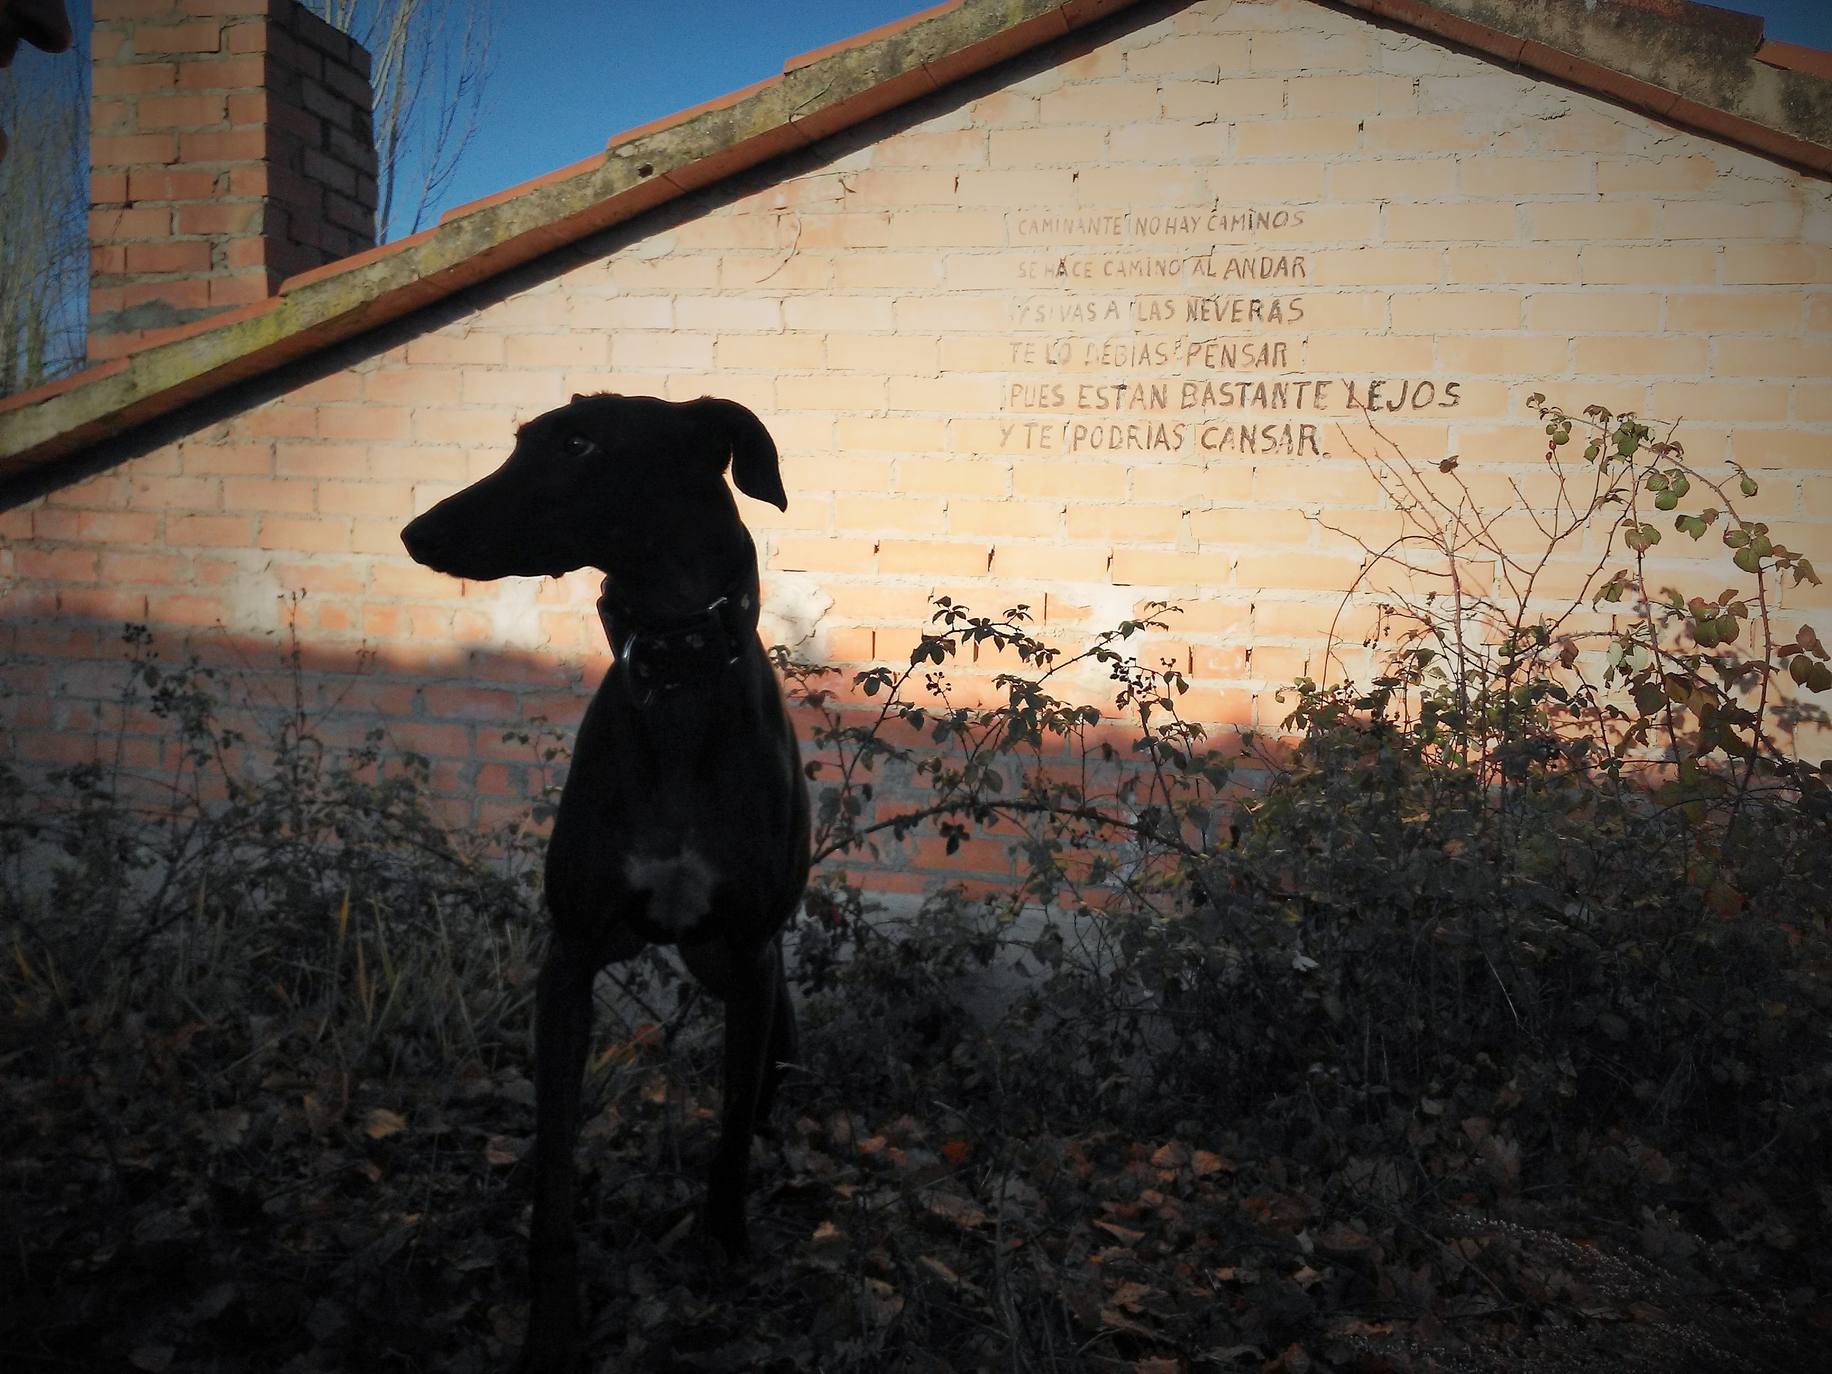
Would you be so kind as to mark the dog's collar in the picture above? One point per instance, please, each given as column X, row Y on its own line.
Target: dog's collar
column 665, row 655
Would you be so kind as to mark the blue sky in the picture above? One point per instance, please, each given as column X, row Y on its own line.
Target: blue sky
column 569, row 74
column 572, row 73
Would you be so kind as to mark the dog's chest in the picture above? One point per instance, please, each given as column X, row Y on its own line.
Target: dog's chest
column 677, row 817
column 679, row 887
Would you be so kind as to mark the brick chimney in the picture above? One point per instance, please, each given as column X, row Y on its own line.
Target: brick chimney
column 230, row 147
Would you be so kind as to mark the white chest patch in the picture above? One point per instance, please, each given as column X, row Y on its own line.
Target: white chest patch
column 680, row 887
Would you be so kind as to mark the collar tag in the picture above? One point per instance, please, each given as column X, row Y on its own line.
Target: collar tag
column 665, row 656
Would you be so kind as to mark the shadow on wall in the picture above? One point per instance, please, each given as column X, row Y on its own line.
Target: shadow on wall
column 488, row 731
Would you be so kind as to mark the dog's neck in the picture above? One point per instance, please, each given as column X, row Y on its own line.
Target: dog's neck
column 690, row 637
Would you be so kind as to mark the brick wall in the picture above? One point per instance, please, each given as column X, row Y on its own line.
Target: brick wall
column 935, row 321
column 230, row 147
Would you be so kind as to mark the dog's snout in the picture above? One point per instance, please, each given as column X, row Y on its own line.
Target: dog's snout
column 421, row 540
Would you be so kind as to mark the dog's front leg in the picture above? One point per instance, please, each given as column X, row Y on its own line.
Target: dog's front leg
column 748, row 983
column 562, row 1028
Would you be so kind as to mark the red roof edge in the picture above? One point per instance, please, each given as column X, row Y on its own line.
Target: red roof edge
column 1795, row 58
column 909, row 21
column 44, row 391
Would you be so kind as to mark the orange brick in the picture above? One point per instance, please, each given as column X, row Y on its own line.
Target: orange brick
column 651, row 352
column 883, row 352
column 365, row 422
column 1423, row 311
column 1334, row 136
column 1379, row 267
column 195, row 36
column 472, row 347
column 56, row 565
column 726, row 314
column 1745, row 311
column 281, row 420
column 122, row 225
column 1127, row 524
column 142, row 569
column 133, row 150
column 217, row 219
column 894, row 513
column 1595, row 311
column 1068, row 481
column 209, row 531
column 222, row 73
column 181, row 111
column 1520, row 356
column 374, row 499
column 1719, row 400
column 1653, row 355
column 1482, row 221
column 230, row 145
column 327, row 535
column 1296, row 572
column 320, row 460
column 1713, row 220
column 1307, row 51
column 1596, row 221
column 933, row 557
column 1135, row 566
column 267, row 494
column 1528, row 264
column 830, row 392
column 949, row 395
column 1771, row 358
column 878, row 435
column 952, row 476
column 785, row 352
column 1251, row 528
column 1004, row 519
column 799, row 553
column 573, row 349
column 1639, row 174
column 119, row 526
column 1649, row 264
column 183, row 256
column 843, row 313
column 179, row 493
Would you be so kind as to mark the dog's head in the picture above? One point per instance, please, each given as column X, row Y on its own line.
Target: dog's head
column 594, row 479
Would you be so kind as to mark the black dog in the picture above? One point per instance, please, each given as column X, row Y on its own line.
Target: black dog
column 684, row 819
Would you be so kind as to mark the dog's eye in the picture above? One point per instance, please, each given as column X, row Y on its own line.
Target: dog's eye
column 577, row 446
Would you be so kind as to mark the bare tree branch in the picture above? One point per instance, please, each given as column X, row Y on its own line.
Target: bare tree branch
column 430, row 64
column 44, row 204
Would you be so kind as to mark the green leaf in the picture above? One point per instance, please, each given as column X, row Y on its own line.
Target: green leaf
column 1747, row 559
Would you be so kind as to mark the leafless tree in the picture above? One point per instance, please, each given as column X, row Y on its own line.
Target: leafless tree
column 430, row 65
column 431, row 60
column 44, row 205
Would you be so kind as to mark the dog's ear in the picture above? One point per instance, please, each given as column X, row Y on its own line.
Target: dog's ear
column 753, row 452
